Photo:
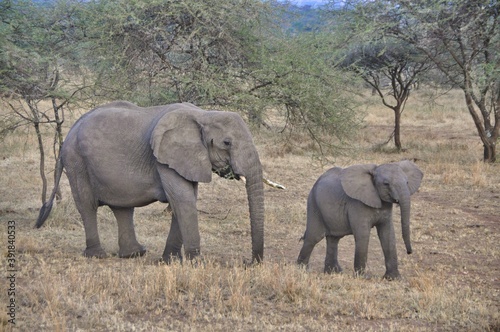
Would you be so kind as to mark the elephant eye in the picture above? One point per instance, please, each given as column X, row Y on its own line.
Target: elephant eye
column 227, row 142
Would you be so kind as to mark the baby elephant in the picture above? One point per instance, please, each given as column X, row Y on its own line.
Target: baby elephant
column 352, row 201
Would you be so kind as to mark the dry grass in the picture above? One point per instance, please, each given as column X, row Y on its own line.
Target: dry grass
column 450, row 283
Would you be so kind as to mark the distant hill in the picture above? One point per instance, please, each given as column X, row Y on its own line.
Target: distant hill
column 302, row 16
column 308, row 3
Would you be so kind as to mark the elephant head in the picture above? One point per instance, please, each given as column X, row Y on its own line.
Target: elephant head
column 196, row 143
column 391, row 183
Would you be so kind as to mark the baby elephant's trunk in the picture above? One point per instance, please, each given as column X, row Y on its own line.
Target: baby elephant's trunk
column 404, row 204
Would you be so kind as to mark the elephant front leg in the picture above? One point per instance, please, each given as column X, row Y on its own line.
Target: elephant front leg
column 182, row 195
column 361, row 239
column 387, row 239
column 331, row 260
column 188, row 225
column 174, row 243
column 127, row 241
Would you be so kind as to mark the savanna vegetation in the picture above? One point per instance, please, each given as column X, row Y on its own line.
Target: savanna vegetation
column 305, row 88
column 450, row 282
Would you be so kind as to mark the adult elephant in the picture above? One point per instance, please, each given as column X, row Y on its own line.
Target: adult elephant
column 125, row 156
column 352, row 201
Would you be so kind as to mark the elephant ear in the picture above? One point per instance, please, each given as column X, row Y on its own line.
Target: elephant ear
column 177, row 141
column 357, row 182
column 413, row 173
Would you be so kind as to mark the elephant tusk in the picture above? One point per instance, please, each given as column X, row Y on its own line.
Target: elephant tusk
column 266, row 181
column 273, row 184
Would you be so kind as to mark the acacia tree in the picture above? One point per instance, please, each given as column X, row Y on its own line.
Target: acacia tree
column 38, row 55
column 391, row 69
column 219, row 54
column 462, row 38
column 172, row 51
column 300, row 77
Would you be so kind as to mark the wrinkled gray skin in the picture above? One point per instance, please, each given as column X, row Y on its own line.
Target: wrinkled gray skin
column 352, row 201
column 125, row 156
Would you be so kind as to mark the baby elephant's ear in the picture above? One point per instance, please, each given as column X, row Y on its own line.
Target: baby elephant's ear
column 357, row 182
column 413, row 173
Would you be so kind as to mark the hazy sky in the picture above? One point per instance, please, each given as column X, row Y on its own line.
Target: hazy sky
column 308, row 2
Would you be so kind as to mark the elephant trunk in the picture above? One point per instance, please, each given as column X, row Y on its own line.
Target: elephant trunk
column 255, row 192
column 404, row 204
column 249, row 168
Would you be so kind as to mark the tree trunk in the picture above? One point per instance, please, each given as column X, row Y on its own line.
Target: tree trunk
column 397, row 128
column 36, row 123
column 42, row 161
column 58, row 141
column 489, row 155
column 488, row 137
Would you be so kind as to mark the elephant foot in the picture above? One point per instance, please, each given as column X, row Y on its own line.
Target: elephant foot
column 132, row 253
column 365, row 276
column 392, row 276
column 193, row 257
column 361, row 274
column 95, row 252
column 333, row 269
column 197, row 261
column 171, row 258
column 192, row 254
column 247, row 263
column 302, row 261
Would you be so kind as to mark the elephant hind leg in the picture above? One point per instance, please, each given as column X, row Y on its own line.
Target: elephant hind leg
column 315, row 232
column 331, row 260
column 87, row 205
column 93, row 243
column 127, row 241
column 310, row 242
column 307, row 248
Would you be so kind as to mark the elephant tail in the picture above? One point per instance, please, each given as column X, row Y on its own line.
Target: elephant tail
column 47, row 206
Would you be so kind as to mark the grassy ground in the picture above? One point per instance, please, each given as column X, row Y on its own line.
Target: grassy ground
column 450, row 282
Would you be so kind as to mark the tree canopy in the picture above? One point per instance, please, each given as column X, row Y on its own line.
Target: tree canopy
column 461, row 39
column 250, row 56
